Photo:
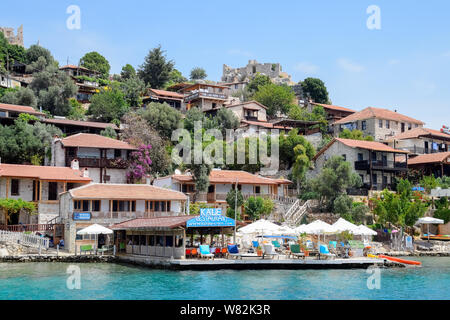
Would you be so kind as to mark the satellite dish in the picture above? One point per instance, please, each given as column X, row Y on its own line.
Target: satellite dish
column 177, row 171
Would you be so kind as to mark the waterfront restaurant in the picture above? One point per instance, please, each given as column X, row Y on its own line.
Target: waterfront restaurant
column 172, row 237
column 109, row 204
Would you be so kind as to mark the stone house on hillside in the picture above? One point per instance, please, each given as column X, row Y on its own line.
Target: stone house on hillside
column 382, row 124
column 105, row 158
column 376, row 163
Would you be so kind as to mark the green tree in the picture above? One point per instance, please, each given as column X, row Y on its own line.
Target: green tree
column 316, row 89
column 254, row 207
column 402, row 208
column 138, row 132
column 108, row 105
column 38, row 58
column 77, row 112
column 9, row 54
column 53, row 88
column 334, row 179
column 354, row 135
column 21, row 141
column 287, row 144
column 109, row 132
column 11, row 207
column 162, row 117
column 258, row 81
column 234, row 201
column 226, row 119
column 22, row 97
column 156, row 70
column 276, row 98
column 127, row 72
column 133, row 89
column 198, row 73
column 192, row 115
column 96, row 62
column 429, row 183
column 442, row 209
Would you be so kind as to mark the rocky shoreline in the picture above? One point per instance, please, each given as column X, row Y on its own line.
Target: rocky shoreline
column 65, row 258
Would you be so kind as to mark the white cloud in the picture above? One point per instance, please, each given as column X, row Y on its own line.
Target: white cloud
column 239, row 52
column 306, row 67
column 349, row 66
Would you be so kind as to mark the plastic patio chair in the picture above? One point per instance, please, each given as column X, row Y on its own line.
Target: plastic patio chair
column 205, row 252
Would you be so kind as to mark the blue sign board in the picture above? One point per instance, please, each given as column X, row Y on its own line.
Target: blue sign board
column 210, row 218
column 82, row 216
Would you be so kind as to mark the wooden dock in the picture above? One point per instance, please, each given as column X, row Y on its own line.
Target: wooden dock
column 251, row 263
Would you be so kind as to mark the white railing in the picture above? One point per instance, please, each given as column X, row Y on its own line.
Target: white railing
column 295, row 213
column 28, row 240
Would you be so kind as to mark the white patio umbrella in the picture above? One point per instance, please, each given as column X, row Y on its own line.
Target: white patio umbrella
column 285, row 231
column 300, row 229
column 319, row 227
column 344, row 225
column 428, row 221
column 95, row 229
column 364, row 231
column 260, row 226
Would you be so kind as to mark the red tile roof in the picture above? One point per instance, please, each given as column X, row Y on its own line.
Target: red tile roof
column 125, row 192
column 263, row 124
column 89, row 140
column 21, row 109
column 245, row 104
column 160, row 222
column 361, row 144
column 420, row 132
column 165, row 93
column 230, row 177
column 91, row 124
column 331, row 107
column 378, row 113
column 441, row 157
column 42, row 173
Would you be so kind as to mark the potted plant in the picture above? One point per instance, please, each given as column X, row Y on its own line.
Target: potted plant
column 259, row 251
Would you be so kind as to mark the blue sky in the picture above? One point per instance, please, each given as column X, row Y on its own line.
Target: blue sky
column 403, row 66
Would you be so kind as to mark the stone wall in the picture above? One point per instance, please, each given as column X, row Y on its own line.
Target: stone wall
column 273, row 70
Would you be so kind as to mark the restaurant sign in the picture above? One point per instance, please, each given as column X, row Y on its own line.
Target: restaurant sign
column 83, row 216
column 210, row 218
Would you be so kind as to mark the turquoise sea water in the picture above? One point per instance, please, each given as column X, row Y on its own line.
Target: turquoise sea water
column 113, row 281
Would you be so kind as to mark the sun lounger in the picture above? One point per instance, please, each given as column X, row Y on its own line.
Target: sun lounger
column 205, row 252
column 296, row 251
column 323, row 251
column 233, row 252
column 269, row 250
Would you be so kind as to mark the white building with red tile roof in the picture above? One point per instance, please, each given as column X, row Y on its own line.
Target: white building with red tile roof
column 109, row 204
column 376, row 163
column 105, row 158
column 421, row 141
column 39, row 184
column 222, row 181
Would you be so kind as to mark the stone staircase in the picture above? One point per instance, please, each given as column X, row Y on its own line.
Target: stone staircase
column 297, row 211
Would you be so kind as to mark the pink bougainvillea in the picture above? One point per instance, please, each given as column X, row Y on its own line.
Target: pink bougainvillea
column 140, row 163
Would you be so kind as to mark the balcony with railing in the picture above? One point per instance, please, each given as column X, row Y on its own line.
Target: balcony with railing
column 117, row 163
column 204, row 94
column 222, row 197
column 380, row 165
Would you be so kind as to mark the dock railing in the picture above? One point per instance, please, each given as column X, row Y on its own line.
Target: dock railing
column 28, row 240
